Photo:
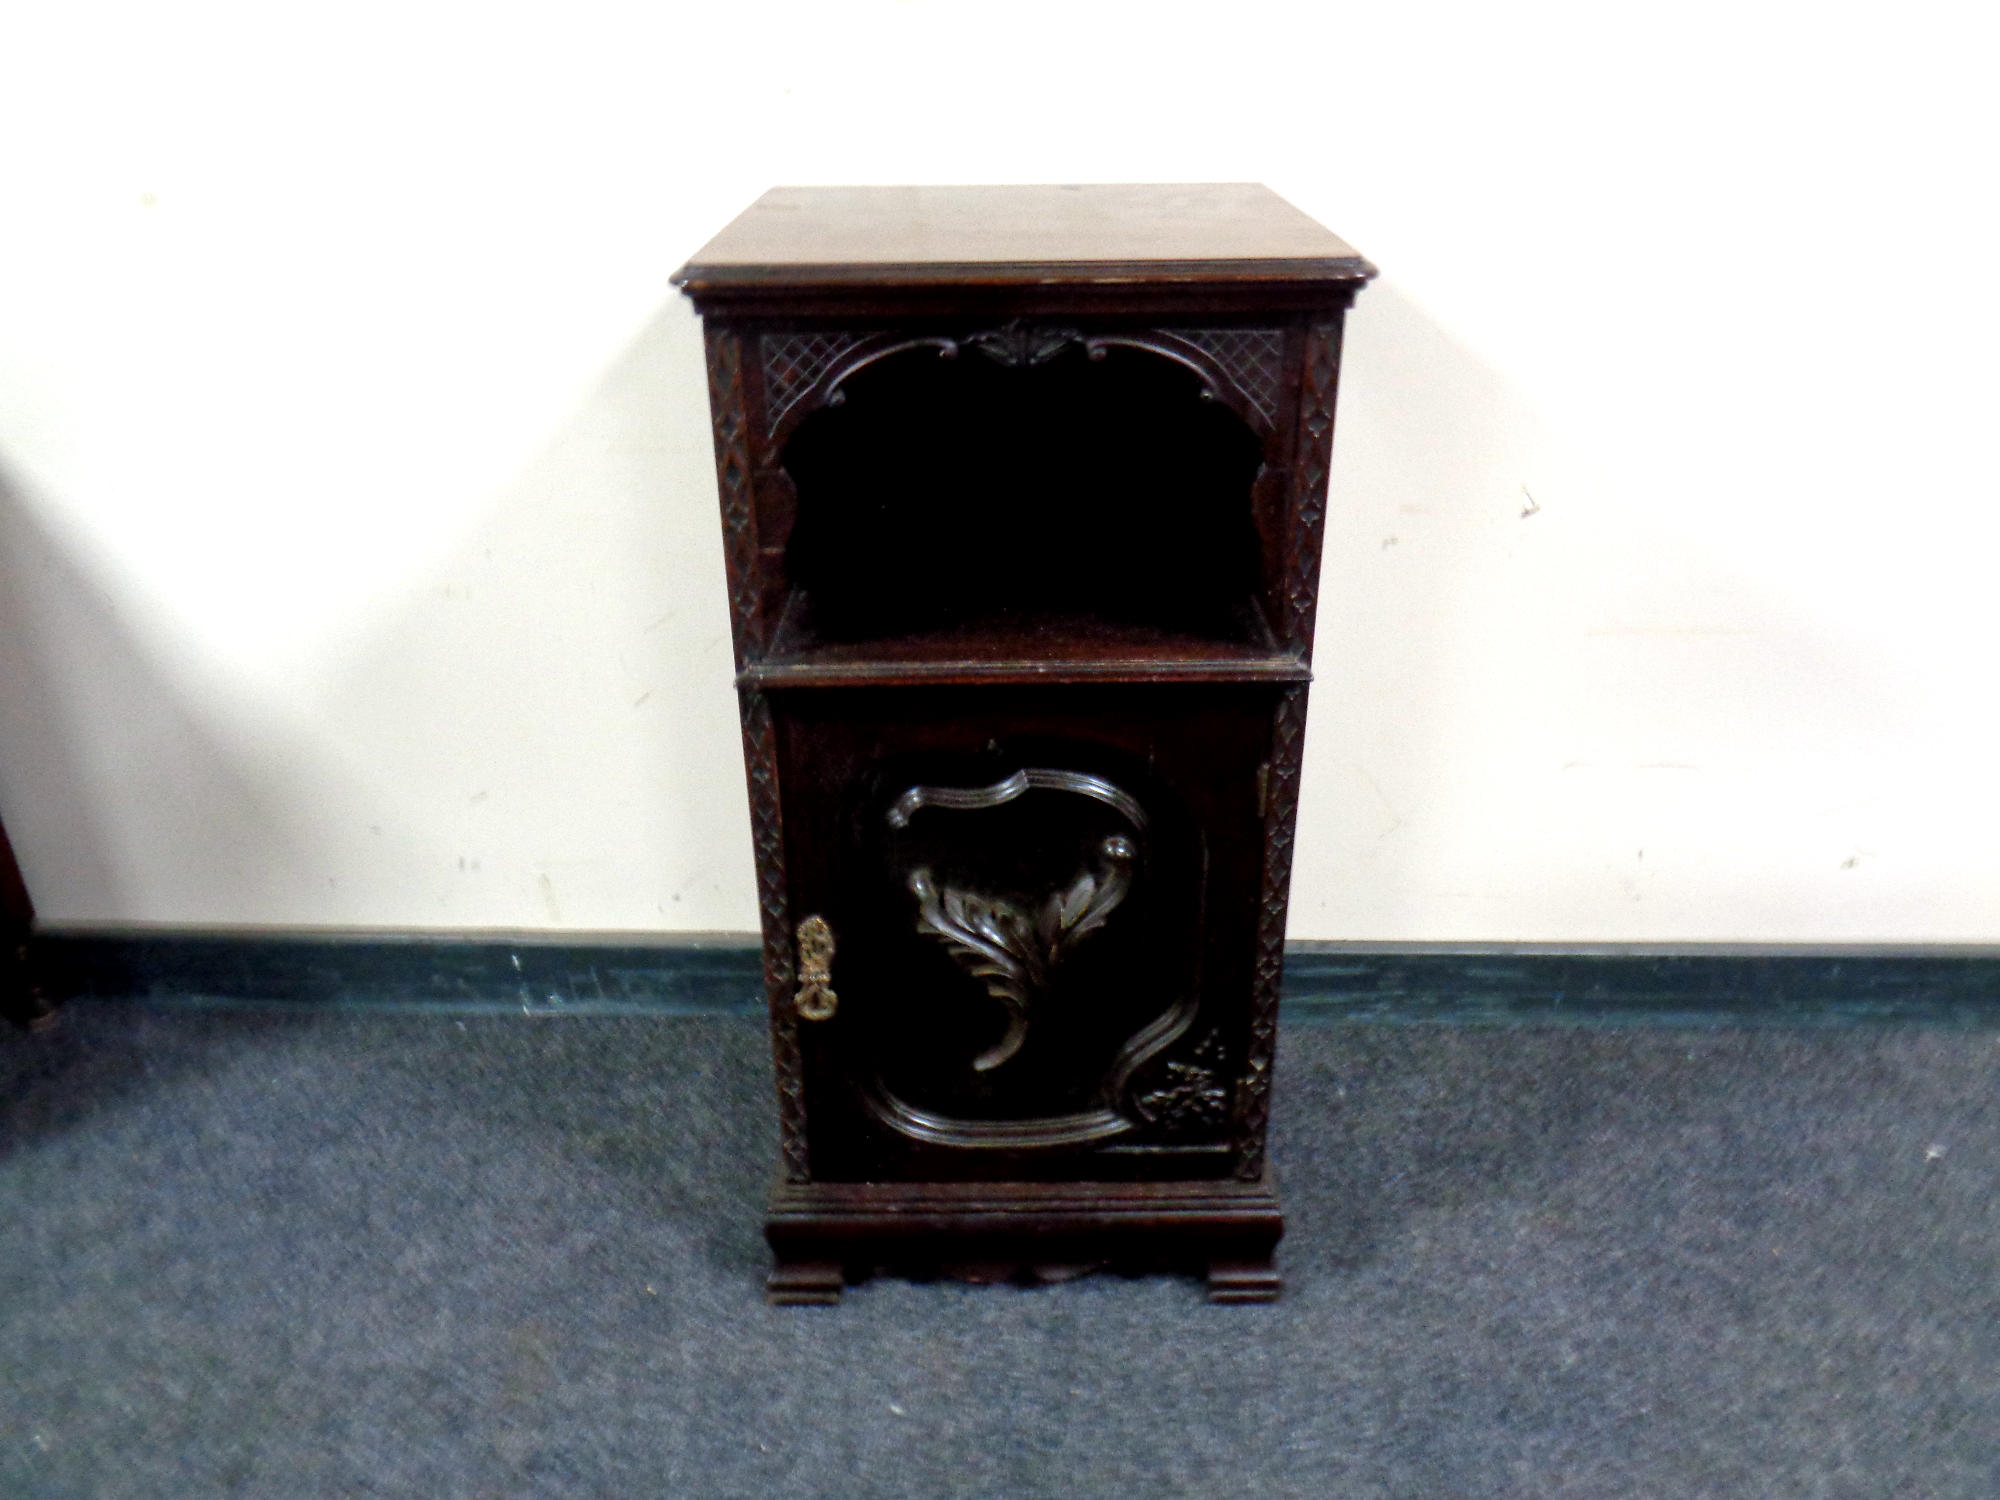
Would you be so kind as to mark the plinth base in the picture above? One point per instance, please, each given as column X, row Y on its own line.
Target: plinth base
column 825, row 1235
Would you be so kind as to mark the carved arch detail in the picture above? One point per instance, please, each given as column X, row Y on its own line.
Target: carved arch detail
column 1243, row 368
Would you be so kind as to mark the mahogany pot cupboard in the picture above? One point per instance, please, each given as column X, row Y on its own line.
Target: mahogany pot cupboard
column 1022, row 492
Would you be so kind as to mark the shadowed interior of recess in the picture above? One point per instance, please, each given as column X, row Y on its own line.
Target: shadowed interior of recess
column 957, row 493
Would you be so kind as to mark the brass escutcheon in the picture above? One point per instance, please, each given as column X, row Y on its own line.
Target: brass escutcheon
column 815, row 999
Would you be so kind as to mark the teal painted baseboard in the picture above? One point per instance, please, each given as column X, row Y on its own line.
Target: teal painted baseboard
column 687, row 974
column 1642, row 984
column 719, row 974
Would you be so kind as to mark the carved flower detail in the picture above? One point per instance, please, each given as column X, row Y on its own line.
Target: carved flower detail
column 1192, row 1100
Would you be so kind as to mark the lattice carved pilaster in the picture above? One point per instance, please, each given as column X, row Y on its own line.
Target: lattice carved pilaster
column 767, row 831
column 1309, row 474
column 728, row 410
column 1253, row 1088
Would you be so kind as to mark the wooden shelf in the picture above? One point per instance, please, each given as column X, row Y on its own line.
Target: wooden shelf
column 1038, row 647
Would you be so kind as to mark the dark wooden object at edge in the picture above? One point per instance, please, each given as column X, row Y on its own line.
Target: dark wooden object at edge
column 21, row 998
column 1022, row 495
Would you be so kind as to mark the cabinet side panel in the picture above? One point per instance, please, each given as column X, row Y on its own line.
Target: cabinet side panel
column 760, row 759
column 729, row 412
column 1319, row 386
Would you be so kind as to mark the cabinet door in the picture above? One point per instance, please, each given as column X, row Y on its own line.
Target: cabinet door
column 1035, row 911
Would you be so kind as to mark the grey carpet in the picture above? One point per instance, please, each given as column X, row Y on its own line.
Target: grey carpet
column 331, row 1252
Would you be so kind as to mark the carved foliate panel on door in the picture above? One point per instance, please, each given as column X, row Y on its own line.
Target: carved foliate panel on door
column 1036, row 919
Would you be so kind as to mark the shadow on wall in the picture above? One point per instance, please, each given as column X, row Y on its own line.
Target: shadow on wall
column 550, row 703
column 1552, row 704
column 50, row 819
column 119, row 791
column 536, row 729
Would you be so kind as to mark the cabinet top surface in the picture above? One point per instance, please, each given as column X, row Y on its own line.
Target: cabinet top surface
column 1098, row 233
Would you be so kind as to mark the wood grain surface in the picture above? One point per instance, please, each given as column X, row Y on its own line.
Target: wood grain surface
column 809, row 235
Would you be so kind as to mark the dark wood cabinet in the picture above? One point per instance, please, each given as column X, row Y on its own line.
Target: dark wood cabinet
column 21, row 998
column 1022, row 493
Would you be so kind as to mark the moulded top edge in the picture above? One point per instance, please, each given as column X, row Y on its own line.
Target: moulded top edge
column 1059, row 235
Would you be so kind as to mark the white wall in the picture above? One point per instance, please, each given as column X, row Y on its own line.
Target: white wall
column 357, row 519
